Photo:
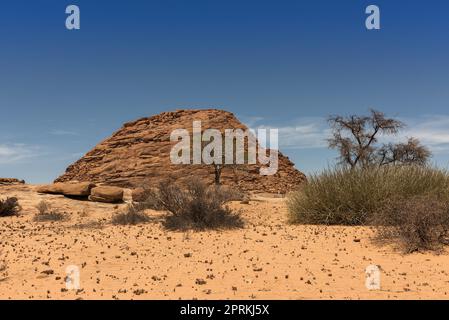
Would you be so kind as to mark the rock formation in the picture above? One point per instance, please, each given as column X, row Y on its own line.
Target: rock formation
column 10, row 181
column 82, row 189
column 139, row 154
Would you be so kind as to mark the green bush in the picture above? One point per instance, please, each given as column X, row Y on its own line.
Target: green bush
column 343, row 196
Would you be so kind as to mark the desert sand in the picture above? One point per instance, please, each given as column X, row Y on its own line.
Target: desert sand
column 268, row 259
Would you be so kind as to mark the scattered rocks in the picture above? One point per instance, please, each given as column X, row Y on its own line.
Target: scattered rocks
column 48, row 272
column 149, row 262
column 200, row 282
column 138, row 292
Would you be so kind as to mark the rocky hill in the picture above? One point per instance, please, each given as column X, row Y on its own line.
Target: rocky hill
column 139, row 153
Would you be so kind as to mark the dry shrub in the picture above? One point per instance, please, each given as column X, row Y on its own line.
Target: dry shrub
column 47, row 213
column 417, row 223
column 89, row 225
column 342, row 196
column 197, row 207
column 131, row 216
column 9, row 207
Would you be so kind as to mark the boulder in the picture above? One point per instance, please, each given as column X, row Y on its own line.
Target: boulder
column 139, row 195
column 50, row 188
column 79, row 189
column 106, row 194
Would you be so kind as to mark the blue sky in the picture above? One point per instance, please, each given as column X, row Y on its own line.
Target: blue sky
column 283, row 64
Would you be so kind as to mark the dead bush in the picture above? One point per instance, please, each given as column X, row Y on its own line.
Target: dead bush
column 418, row 223
column 47, row 213
column 9, row 207
column 132, row 215
column 197, row 206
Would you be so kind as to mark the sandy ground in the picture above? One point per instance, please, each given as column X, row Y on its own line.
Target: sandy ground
column 268, row 259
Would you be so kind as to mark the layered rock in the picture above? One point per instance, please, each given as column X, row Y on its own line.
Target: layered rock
column 139, row 154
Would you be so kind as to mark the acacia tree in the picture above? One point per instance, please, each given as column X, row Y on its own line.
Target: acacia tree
column 411, row 152
column 218, row 167
column 356, row 139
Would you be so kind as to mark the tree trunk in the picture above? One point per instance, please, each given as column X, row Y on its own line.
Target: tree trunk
column 217, row 174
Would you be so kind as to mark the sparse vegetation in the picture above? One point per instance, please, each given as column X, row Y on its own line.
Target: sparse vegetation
column 389, row 186
column 134, row 214
column 197, row 206
column 47, row 213
column 9, row 207
column 417, row 223
column 343, row 196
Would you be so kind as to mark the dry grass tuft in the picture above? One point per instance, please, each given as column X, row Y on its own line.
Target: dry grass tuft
column 47, row 213
column 133, row 215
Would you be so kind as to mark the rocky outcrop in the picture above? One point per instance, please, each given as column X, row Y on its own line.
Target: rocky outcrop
column 139, row 154
column 10, row 181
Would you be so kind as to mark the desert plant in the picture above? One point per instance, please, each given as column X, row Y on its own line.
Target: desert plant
column 47, row 213
column 133, row 214
column 9, row 207
column 351, row 196
column 356, row 138
column 417, row 223
column 197, row 206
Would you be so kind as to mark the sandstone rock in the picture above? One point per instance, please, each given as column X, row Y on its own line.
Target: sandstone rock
column 139, row 153
column 50, row 189
column 139, row 195
column 106, row 194
column 80, row 189
column 10, row 181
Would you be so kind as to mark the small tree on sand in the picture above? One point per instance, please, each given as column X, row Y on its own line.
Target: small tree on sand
column 219, row 165
column 356, row 139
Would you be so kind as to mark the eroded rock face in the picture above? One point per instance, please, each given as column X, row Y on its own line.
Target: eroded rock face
column 139, row 154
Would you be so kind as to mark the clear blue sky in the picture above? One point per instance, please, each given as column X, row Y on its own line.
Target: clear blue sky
column 285, row 64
